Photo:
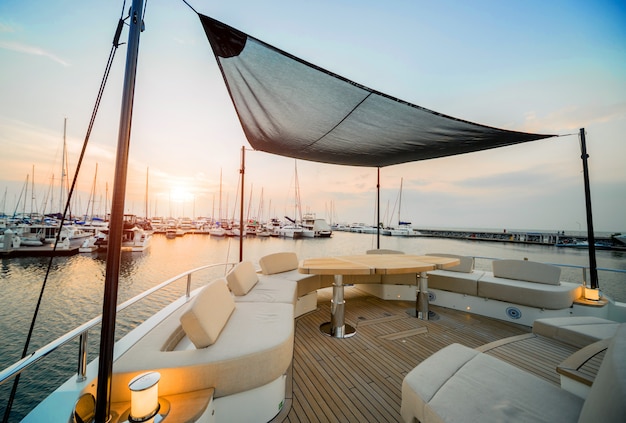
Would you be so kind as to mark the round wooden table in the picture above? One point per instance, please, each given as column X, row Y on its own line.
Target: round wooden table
column 368, row 264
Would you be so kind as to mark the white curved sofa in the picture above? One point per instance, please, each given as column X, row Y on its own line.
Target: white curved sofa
column 520, row 282
column 214, row 342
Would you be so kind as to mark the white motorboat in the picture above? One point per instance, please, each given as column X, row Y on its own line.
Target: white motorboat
column 404, row 230
column 318, row 226
column 290, row 231
column 134, row 239
column 218, row 231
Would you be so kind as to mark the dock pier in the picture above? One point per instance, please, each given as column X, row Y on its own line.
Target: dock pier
column 558, row 239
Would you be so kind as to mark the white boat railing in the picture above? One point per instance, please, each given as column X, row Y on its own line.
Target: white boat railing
column 82, row 331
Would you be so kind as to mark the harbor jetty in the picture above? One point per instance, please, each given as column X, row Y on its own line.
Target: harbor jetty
column 558, row 239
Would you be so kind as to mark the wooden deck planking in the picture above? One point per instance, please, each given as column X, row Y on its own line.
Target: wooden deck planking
column 537, row 355
column 360, row 378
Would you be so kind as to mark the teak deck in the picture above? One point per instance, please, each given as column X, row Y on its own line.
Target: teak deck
column 359, row 379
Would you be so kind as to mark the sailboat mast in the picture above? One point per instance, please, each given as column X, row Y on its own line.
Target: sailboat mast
column 400, row 203
column 219, row 204
column 107, row 339
column 147, row 175
column 63, row 175
column 93, row 193
column 25, row 195
column 298, row 205
column 242, row 226
column 32, row 193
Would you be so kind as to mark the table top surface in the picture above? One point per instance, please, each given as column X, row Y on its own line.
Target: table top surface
column 370, row 264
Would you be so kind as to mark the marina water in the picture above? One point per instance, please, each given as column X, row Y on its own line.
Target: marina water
column 75, row 287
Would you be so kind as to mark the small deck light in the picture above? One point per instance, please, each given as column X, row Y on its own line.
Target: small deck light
column 144, row 398
column 592, row 294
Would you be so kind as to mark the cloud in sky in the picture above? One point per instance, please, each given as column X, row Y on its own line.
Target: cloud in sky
column 574, row 117
column 32, row 50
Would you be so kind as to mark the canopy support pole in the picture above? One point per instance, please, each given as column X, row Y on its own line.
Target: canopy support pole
column 591, row 239
column 378, row 210
column 116, row 224
column 242, row 227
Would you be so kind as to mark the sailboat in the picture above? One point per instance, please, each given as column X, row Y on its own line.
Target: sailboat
column 217, row 229
column 152, row 358
column 404, row 228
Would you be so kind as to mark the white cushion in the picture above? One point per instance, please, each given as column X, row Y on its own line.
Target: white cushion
column 524, row 270
column 579, row 331
column 271, row 289
column 461, row 282
column 278, row 263
column 539, row 295
column 383, row 251
column 242, row 278
column 466, row 264
column 207, row 314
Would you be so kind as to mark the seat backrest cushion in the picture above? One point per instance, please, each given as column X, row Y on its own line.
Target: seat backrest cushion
column 383, row 251
column 242, row 278
column 208, row 313
column 278, row 263
column 524, row 270
column 466, row 264
column 606, row 401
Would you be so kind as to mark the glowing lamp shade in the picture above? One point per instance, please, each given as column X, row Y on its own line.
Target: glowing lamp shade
column 592, row 294
column 144, row 396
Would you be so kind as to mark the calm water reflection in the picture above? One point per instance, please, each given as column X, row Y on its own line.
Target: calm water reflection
column 75, row 286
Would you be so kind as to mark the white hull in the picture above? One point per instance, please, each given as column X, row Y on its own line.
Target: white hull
column 290, row 232
column 217, row 232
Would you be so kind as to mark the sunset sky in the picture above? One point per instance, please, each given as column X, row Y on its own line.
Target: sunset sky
column 534, row 66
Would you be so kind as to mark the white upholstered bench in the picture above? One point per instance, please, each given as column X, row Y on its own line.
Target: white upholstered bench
column 528, row 283
column 519, row 291
column 460, row 384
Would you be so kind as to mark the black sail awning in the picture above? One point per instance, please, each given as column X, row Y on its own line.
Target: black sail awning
column 293, row 108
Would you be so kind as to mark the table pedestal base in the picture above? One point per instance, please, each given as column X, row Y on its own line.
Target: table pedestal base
column 346, row 332
column 421, row 300
column 337, row 328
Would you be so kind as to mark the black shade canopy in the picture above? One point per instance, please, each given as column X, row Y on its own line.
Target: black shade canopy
column 292, row 108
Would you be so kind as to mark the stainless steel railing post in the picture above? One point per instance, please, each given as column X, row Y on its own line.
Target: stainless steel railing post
column 82, row 356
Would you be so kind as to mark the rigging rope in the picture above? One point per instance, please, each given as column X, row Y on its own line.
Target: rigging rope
column 105, row 77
